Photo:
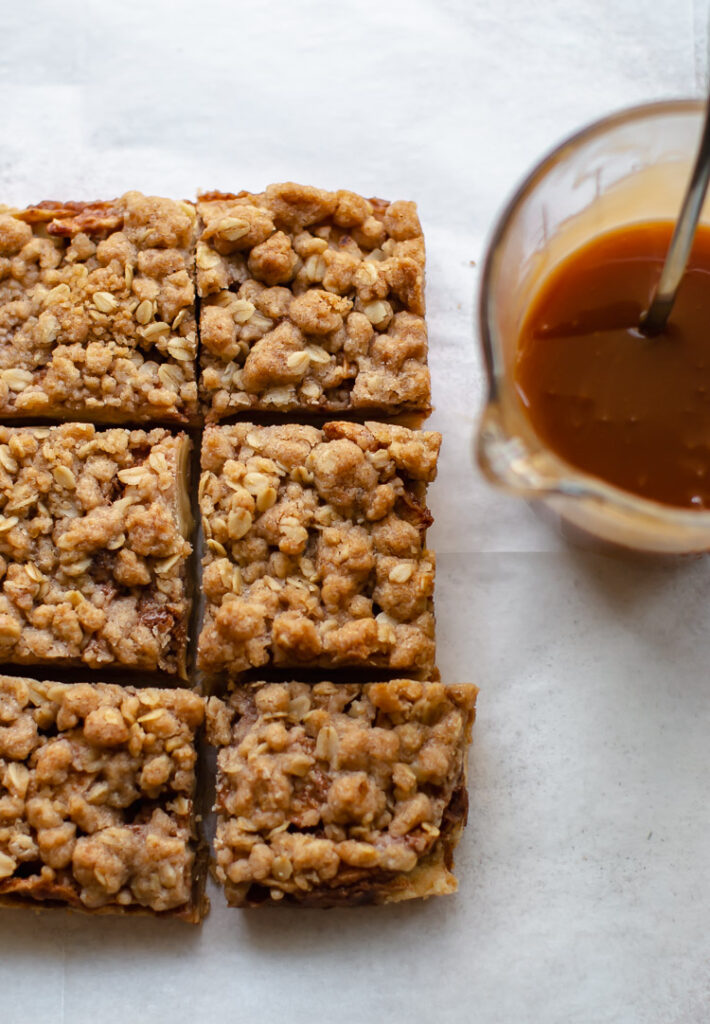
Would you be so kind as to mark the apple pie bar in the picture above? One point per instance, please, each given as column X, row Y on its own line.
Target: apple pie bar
column 340, row 794
column 311, row 300
column 97, row 787
column 93, row 548
column 315, row 547
column 97, row 311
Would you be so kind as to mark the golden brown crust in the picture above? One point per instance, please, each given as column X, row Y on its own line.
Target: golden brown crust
column 97, row 310
column 315, row 546
column 68, row 219
column 92, row 547
column 312, row 300
column 340, row 794
column 97, row 787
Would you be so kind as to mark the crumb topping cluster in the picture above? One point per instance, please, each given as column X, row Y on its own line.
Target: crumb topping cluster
column 327, row 786
column 96, row 793
column 311, row 300
column 315, row 546
column 97, row 310
column 92, row 552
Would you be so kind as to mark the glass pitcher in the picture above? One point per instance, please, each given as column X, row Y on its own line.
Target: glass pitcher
column 630, row 167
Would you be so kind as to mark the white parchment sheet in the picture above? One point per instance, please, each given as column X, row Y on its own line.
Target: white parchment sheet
column 584, row 872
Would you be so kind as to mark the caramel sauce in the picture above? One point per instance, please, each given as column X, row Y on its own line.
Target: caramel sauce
column 632, row 410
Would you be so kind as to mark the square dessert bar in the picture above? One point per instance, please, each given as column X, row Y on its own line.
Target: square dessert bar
column 315, row 546
column 92, row 547
column 97, row 785
column 311, row 300
column 340, row 794
column 97, row 310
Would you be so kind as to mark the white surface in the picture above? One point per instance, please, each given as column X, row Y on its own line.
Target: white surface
column 584, row 870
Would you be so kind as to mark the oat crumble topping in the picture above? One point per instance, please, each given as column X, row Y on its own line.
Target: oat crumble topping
column 311, row 300
column 97, row 310
column 327, row 794
column 92, row 547
column 314, row 549
column 340, row 794
column 96, row 795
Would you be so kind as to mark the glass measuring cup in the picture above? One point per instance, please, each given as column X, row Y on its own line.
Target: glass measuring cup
column 627, row 168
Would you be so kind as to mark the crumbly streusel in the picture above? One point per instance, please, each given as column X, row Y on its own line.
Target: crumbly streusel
column 315, row 546
column 96, row 795
column 312, row 300
column 92, row 547
column 97, row 310
column 340, row 793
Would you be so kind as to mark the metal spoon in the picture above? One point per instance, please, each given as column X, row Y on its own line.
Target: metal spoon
column 654, row 319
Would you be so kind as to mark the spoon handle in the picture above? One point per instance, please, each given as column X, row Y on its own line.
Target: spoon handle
column 654, row 320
